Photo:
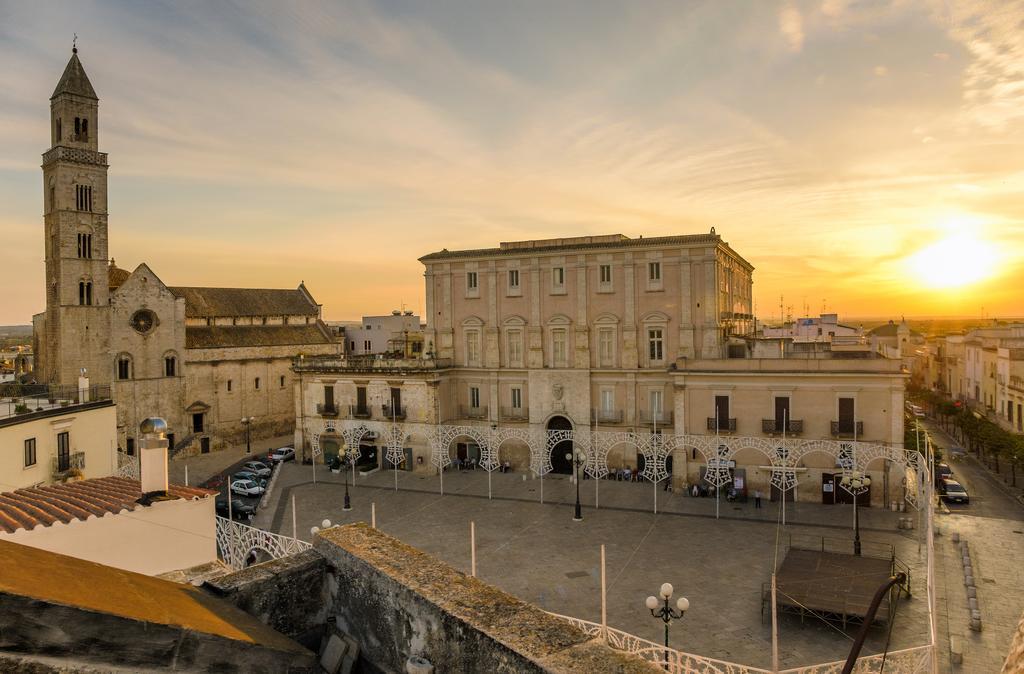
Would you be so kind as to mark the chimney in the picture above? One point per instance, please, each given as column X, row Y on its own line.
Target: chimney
column 153, row 456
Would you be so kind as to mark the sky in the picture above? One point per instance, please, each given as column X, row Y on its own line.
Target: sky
column 866, row 157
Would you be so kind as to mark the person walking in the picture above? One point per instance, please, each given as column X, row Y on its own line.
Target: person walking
column 757, row 498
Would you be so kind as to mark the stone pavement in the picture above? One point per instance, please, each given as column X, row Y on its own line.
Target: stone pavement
column 201, row 467
column 537, row 552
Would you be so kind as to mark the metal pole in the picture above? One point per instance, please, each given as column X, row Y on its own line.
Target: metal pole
column 295, row 520
column 393, row 424
column 313, row 461
column 604, row 599
column 654, row 444
column 542, row 484
column 186, row 474
column 578, row 513
column 785, row 423
column 373, row 514
column 593, row 452
column 775, row 627
column 472, row 548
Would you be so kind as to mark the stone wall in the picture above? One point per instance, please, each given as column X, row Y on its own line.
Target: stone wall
column 289, row 594
column 398, row 601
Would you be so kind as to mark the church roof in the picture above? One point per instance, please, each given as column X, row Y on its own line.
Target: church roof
column 74, row 80
column 116, row 276
column 220, row 336
column 890, row 329
column 214, row 302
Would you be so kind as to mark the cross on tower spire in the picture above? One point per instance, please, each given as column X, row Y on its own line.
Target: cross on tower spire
column 74, row 44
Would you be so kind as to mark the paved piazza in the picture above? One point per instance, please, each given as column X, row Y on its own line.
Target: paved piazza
column 538, row 553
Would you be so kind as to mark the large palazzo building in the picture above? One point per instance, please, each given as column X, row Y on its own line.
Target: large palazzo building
column 614, row 334
column 205, row 359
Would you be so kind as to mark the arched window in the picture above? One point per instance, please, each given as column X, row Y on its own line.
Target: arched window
column 170, row 364
column 88, row 293
column 85, row 130
column 124, row 367
column 81, row 292
column 57, row 133
column 78, row 128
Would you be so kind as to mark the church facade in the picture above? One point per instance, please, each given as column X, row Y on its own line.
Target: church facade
column 214, row 362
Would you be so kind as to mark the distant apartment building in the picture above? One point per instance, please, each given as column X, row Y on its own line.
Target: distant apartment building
column 824, row 328
column 399, row 333
column 646, row 335
column 983, row 367
column 50, row 434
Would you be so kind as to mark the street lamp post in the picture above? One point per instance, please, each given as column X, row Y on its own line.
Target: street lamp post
column 578, row 459
column 660, row 608
column 248, row 436
column 346, row 458
column 856, row 483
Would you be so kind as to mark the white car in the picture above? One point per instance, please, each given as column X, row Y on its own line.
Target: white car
column 282, row 454
column 246, row 488
column 258, row 468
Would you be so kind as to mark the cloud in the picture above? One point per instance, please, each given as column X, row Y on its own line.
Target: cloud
column 791, row 25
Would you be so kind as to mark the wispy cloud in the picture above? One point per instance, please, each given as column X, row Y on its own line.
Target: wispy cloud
column 336, row 143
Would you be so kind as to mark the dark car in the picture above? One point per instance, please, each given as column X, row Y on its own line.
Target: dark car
column 249, row 475
column 953, row 492
column 942, row 472
column 240, row 510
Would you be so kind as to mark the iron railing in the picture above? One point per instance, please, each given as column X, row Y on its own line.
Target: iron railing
column 327, row 409
column 470, row 412
column 793, row 426
column 514, row 413
column 722, row 425
column 393, row 411
column 64, row 463
column 662, row 417
column 359, row 411
column 26, row 399
column 603, row 416
column 841, row 429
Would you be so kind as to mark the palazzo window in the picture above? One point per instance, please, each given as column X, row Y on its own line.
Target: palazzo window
column 473, row 348
column 517, row 398
column 474, row 397
column 170, row 366
column 515, row 348
column 513, row 281
column 559, row 347
column 85, row 293
column 558, row 279
column 472, row 284
column 655, row 345
column 606, row 347
column 257, row 383
column 30, row 452
column 605, row 277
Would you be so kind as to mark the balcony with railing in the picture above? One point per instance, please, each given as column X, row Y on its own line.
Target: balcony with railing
column 327, row 409
column 470, row 412
column 721, row 425
column 369, row 364
column 61, row 465
column 359, row 411
column 773, row 427
column 603, row 416
column 25, row 402
column 847, row 429
column 660, row 417
column 393, row 412
column 514, row 414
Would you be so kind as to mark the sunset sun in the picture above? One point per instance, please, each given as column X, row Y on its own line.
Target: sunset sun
column 953, row 262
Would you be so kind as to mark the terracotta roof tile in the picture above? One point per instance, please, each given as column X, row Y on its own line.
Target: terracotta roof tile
column 29, row 508
column 218, row 336
column 219, row 302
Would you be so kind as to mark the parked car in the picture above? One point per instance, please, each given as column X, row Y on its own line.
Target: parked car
column 257, row 467
column 953, row 492
column 240, row 510
column 246, row 488
column 281, row 454
column 942, row 472
column 249, row 475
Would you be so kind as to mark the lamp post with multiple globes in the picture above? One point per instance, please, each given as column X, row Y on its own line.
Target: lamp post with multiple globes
column 578, row 459
column 856, row 483
column 660, row 608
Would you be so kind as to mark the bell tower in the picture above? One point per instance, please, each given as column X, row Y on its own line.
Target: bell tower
column 77, row 324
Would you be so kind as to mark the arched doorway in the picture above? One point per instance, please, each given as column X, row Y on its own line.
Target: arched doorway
column 560, row 464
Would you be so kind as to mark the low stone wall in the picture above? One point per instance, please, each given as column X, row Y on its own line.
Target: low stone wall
column 289, row 594
column 398, row 601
